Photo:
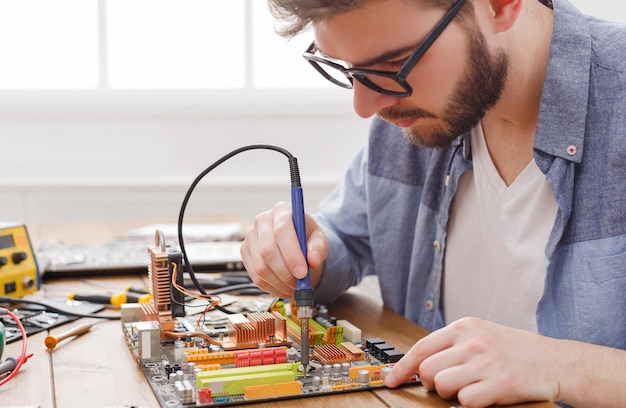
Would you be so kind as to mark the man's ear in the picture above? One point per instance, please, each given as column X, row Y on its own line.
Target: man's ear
column 505, row 13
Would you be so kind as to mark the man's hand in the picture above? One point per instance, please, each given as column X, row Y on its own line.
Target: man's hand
column 272, row 256
column 483, row 363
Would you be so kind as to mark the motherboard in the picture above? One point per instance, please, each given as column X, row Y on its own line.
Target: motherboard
column 218, row 357
column 252, row 357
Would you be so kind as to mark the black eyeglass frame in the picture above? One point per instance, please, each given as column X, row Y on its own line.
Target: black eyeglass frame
column 360, row 74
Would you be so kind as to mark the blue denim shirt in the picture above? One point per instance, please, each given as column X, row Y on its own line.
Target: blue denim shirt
column 390, row 214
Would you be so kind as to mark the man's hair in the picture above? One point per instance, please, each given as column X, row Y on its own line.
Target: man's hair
column 297, row 15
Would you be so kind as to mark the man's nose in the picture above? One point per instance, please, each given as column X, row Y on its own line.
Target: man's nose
column 367, row 102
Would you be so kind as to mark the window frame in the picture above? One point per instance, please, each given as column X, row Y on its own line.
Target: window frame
column 106, row 101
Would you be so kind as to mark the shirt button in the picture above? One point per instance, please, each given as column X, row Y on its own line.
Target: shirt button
column 430, row 305
column 436, row 245
column 572, row 150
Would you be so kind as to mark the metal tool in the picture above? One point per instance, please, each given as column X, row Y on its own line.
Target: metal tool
column 52, row 341
column 114, row 300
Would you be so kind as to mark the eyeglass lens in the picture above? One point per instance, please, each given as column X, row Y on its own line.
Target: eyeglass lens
column 386, row 82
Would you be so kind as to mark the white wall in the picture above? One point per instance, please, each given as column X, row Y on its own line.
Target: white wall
column 94, row 155
column 80, row 158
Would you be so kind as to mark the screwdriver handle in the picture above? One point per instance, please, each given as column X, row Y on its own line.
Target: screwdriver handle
column 137, row 289
column 133, row 297
column 115, row 300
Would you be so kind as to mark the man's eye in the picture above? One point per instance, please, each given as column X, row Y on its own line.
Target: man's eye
column 398, row 63
column 389, row 65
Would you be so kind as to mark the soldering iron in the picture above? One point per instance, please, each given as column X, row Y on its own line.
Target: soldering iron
column 304, row 294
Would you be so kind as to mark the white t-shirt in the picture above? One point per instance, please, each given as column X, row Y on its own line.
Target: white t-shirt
column 495, row 263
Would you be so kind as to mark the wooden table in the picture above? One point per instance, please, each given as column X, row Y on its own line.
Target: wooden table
column 97, row 369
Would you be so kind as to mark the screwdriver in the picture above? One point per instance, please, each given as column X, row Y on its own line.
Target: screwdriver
column 304, row 295
column 136, row 289
column 134, row 297
column 114, row 300
column 52, row 341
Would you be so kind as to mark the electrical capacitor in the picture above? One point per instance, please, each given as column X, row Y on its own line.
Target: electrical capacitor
column 322, row 311
column 196, row 371
column 180, row 390
column 292, row 355
column 179, row 345
column 363, row 377
column 384, row 372
column 325, row 384
column 316, row 381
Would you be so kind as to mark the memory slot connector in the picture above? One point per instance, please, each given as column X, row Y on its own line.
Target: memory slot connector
column 202, row 356
column 333, row 335
column 316, row 337
column 242, row 358
column 233, row 381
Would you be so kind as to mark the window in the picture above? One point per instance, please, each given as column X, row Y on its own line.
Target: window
column 147, row 44
column 160, row 45
column 48, row 44
column 175, row 44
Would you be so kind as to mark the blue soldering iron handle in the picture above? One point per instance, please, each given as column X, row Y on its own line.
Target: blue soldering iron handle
column 297, row 209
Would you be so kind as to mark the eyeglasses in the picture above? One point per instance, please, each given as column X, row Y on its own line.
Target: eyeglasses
column 384, row 82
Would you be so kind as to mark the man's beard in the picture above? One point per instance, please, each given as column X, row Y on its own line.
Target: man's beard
column 477, row 92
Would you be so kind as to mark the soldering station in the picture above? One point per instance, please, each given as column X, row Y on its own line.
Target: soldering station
column 18, row 276
column 18, row 267
column 196, row 351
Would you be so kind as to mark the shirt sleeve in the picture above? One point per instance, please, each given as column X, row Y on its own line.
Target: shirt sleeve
column 343, row 216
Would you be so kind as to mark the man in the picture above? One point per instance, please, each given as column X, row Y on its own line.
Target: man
column 499, row 220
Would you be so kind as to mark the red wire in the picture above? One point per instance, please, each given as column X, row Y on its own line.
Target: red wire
column 23, row 357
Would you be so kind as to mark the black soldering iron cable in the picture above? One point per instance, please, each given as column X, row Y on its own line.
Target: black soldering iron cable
column 295, row 182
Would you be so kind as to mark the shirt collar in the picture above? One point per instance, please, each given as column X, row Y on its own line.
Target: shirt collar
column 563, row 109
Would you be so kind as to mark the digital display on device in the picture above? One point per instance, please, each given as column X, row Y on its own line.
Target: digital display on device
column 6, row 241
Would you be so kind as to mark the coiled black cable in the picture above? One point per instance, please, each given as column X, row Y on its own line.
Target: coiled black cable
column 295, row 182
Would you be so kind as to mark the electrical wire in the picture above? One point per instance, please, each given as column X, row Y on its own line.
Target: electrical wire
column 211, row 296
column 50, row 308
column 295, row 181
column 23, row 357
column 212, row 299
